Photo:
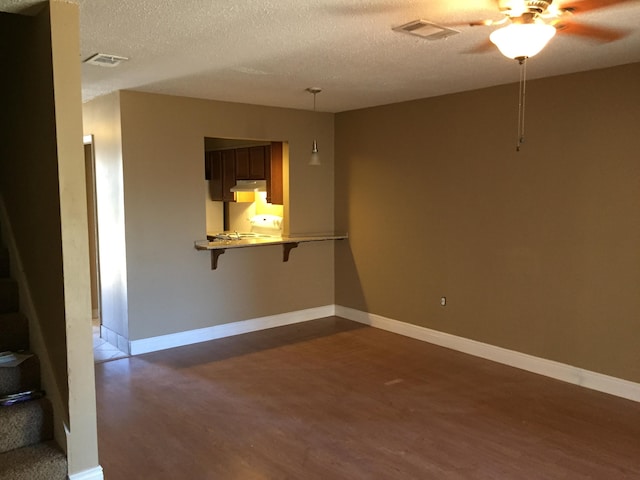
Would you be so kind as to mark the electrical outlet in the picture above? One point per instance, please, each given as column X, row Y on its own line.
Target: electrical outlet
column 443, row 301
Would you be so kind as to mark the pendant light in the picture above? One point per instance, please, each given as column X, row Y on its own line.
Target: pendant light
column 315, row 155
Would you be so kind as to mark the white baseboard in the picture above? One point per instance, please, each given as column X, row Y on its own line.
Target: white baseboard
column 549, row 368
column 153, row 344
column 115, row 339
column 92, row 474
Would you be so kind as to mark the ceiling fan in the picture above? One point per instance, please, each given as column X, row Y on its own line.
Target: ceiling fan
column 528, row 25
column 525, row 29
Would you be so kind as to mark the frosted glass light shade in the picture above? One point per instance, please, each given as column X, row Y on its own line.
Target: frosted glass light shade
column 315, row 159
column 315, row 155
column 522, row 40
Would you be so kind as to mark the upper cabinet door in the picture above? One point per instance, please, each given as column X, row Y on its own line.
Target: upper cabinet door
column 207, row 165
column 275, row 193
column 228, row 175
column 251, row 163
column 242, row 164
column 214, row 161
column 257, row 163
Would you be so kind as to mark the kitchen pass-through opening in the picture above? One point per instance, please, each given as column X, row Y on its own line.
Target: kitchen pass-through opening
column 245, row 189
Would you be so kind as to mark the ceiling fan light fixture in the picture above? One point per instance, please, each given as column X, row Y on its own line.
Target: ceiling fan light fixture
column 522, row 40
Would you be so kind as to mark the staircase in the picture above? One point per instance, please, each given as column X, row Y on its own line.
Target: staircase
column 27, row 448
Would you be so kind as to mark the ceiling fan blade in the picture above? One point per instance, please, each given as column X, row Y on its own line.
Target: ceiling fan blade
column 597, row 33
column 589, row 5
column 480, row 23
column 483, row 47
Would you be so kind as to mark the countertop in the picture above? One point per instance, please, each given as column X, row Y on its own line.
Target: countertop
column 264, row 241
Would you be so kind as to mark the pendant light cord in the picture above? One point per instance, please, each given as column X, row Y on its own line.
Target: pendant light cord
column 521, row 101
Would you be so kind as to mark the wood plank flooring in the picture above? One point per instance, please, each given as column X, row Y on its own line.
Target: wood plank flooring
column 332, row 399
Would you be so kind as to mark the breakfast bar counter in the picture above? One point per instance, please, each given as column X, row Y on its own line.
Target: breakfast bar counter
column 218, row 246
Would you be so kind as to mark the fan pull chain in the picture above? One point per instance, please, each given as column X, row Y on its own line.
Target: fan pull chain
column 521, row 101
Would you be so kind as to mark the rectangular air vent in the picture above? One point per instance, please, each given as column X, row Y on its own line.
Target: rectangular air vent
column 105, row 60
column 427, row 30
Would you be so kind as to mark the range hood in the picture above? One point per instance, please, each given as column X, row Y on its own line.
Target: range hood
column 250, row 186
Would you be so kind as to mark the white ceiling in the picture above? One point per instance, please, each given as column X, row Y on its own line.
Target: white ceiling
column 268, row 52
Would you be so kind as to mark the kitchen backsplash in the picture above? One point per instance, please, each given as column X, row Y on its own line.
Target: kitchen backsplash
column 241, row 213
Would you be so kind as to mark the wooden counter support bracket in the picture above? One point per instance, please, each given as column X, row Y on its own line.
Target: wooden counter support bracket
column 214, row 257
column 286, row 248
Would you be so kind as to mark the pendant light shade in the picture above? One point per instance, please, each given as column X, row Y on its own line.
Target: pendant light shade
column 315, row 156
column 522, row 40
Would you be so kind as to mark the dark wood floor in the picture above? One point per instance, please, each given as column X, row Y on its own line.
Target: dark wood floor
column 331, row 399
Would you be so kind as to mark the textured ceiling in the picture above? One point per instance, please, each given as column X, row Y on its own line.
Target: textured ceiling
column 268, row 51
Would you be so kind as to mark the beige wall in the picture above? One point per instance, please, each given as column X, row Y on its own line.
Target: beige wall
column 101, row 118
column 82, row 437
column 93, row 238
column 170, row 286
column 29, row 177
column 42, row 183
column 536, row 251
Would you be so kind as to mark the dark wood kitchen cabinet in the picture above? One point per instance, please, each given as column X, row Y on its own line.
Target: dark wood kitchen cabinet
column 263, row 163
column 222, row 172
column 207, row 166
column 275, row 192
column 228, row 175
column 251, row 163
column 224, row 167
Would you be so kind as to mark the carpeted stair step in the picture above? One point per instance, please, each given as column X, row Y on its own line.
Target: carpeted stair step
column 25, row 424
column 21, row 378
column 14, row 332
column 4, row 262
column 42, row 461
column 8, row 295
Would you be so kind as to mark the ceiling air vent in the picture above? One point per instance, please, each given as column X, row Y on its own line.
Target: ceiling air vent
column 427, row 30
column 105, row 60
